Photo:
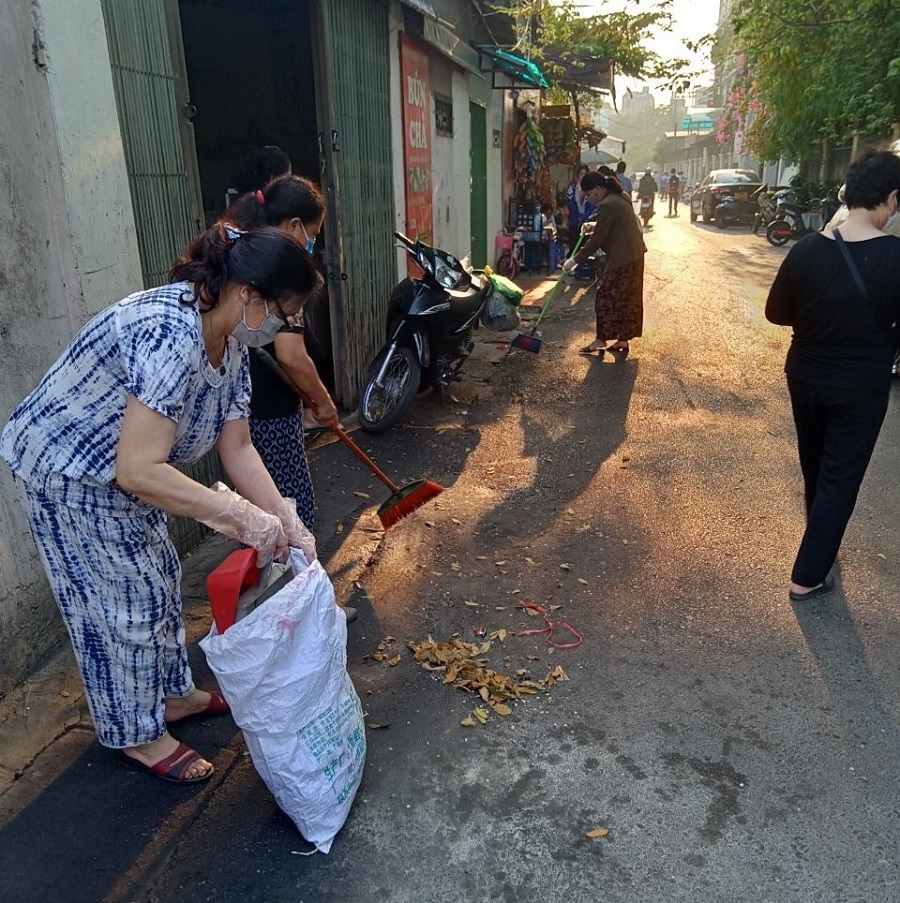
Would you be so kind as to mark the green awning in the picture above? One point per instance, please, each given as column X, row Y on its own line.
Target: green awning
column 521, row 73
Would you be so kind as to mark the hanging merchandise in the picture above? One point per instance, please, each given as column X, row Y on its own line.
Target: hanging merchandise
column 559, row 139
column 528, row 157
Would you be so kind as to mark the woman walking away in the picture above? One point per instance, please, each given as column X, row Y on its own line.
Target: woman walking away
column 153, row 381
column 840, row 291
column 619, row 303
column 296, row 206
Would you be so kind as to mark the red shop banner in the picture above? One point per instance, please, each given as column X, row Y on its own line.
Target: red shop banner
column 415, row 83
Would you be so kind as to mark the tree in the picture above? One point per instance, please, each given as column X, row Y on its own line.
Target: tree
column 813, row 72
column 559, row 39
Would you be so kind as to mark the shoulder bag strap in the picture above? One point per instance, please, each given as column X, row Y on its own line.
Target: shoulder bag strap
column 854, row 271
column 858, row 279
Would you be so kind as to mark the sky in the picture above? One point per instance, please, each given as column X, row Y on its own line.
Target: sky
column 692, row 19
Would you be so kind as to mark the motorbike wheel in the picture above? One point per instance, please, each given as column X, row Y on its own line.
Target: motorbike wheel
column 507, row 265
column 722, row 222
column 380, row 408
column 778, row 232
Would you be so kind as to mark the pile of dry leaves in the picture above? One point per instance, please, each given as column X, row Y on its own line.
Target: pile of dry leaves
column 464, row 667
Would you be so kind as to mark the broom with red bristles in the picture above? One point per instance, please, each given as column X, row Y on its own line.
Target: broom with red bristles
column 403, row 499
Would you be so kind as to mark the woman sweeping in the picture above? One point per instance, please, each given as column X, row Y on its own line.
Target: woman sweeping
column 619, row 303
column 294, row 205
column 153, row 381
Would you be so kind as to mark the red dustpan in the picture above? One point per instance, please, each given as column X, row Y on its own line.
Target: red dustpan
column 224, row 585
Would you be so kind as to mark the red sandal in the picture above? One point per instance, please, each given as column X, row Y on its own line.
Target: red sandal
column 217, row 705
column 174, row 767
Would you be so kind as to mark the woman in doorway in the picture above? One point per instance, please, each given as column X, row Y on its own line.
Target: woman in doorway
column 619, row 304
column 296, row 206
column 840, row 291
column 154, row 381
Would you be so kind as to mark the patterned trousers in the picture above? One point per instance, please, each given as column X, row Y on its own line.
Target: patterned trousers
column 116, row 581
column 280, row 444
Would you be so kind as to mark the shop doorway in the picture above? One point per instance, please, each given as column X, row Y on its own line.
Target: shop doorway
column 251, row 83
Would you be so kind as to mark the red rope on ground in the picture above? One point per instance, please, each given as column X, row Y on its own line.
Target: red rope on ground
column 550, row 627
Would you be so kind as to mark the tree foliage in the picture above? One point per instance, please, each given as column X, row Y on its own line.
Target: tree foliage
column 815, row 71
column 550, row 30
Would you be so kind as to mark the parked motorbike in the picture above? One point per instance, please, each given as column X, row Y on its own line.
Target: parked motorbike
column 646, row 209
column 429, row 334
column 731, row 211
column 796, row 220
column 686, row 195
column 766, row 211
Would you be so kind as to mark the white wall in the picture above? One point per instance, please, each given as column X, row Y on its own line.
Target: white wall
column 98, row 200
column 445, row 204
column 67, row 249
column 461, row 184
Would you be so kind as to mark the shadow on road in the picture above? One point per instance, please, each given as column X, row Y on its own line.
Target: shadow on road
column 558, row 442
column 833, row 638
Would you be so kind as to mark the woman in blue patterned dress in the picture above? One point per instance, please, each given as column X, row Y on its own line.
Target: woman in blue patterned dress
column 153, row 381
column 296, row 206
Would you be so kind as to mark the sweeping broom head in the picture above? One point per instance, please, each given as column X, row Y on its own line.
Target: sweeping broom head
column 526, row 343
column 406, row 499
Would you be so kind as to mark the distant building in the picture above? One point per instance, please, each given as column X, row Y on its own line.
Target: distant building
column 638, row 102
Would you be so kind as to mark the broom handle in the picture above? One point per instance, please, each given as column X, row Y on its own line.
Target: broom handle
column 342, row 435
column 562, row 275
column 338, row 430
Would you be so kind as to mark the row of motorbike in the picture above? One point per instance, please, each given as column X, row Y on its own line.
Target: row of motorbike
column 777, row 212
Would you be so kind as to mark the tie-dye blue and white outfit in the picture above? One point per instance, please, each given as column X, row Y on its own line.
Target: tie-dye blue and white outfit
column 112, row 567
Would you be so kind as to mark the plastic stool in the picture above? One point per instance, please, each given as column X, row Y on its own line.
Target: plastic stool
column 224, row 585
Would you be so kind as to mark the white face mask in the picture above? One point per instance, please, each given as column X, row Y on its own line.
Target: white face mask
column 263, row 335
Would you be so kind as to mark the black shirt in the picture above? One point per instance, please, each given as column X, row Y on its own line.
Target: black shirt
column 840, row 338
column 270, row 396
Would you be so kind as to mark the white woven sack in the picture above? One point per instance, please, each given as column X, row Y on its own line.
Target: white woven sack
column 283, row 670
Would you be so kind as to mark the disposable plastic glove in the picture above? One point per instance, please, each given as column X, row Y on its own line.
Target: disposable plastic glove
column 248, row 524
column 570, row 265
column 298, row 536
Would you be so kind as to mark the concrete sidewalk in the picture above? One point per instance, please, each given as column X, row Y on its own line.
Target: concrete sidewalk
column 56, row 781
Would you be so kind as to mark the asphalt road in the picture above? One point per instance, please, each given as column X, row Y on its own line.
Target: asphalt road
column 735, row 747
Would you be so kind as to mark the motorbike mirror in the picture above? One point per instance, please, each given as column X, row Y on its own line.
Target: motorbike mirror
column 407, row 242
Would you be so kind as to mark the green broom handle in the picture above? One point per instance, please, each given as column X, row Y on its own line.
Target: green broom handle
column 562, row 275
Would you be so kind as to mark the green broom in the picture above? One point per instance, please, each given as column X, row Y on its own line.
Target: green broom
column 529, row 341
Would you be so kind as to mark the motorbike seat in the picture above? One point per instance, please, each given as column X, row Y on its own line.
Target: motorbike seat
column 467, row 300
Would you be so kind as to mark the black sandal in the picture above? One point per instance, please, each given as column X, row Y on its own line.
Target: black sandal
column 588, row 349
column 620, row 352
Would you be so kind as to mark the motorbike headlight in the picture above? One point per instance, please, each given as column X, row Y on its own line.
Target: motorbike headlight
column 446, row 277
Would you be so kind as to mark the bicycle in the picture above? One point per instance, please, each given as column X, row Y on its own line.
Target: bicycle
column 512, row 260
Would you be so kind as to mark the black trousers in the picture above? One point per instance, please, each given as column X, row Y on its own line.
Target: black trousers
column 836, row 433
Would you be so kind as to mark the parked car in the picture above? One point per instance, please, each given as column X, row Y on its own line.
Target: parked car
column 721, row 183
